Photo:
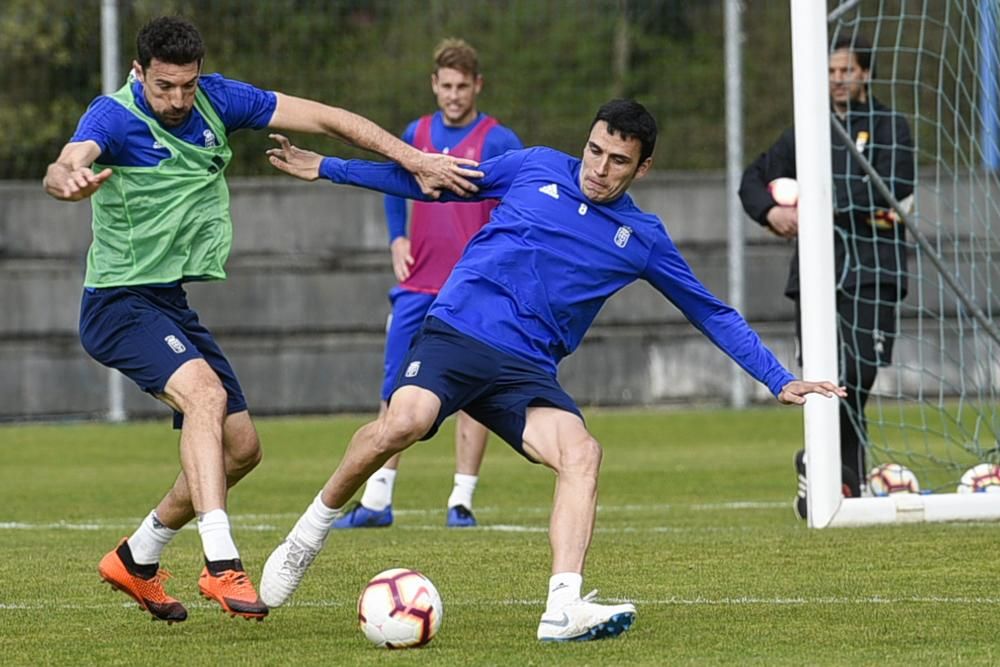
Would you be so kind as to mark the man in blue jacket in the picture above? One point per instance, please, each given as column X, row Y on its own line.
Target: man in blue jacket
column 565, row 237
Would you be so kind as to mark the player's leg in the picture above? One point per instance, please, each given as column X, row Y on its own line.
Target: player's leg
column 374, row 510
column 867, row 331
column 411, row 414
column 559, row 440
column 115, row 329
column 851, row 450
column 470, row 446
column 223, row 578
column 409, row 308
column 242, row 453
column 181, row 365
column 196, row 391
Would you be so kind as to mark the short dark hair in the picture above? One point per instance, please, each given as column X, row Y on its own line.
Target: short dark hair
column 169, row 39
column 631, row 120
column 859, row 46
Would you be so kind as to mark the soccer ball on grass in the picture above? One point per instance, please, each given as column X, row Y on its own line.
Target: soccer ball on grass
column 399, row 608
column 982, row 478
column 891, row 478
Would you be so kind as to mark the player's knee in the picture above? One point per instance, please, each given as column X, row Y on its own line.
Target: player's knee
column 208, row 398
column 401, row 428
column 582, row 456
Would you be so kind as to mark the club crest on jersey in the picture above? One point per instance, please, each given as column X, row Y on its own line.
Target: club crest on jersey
column 209, row 138
column 175, row 344
column 622, row 236
column 582, row 210
column 412, row 369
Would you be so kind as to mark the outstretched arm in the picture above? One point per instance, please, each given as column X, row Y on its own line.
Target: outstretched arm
column 434, row 172
column 794, row 393
column 386, row 177
column 70, row 177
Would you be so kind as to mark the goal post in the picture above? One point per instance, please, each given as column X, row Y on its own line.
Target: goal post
column 812, row 157
column 936, row 407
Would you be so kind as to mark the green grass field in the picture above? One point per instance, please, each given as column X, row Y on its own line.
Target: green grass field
column 695, row 525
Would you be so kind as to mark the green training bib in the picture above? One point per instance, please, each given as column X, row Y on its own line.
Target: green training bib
column 167, row 222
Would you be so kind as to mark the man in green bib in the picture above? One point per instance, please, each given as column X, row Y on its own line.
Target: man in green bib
column 152, row 158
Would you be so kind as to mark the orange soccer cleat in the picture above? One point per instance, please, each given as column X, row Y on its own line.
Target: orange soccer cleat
column 232, row 589
column 148, row 592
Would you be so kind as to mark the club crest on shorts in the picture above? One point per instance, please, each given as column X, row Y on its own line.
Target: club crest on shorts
column 412, row 369
column 622, row 236
column 175, row 344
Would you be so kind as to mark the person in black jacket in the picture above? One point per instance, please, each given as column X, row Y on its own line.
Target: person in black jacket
column 870, row 247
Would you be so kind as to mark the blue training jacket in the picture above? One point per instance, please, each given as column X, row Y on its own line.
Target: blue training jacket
column 531, row 282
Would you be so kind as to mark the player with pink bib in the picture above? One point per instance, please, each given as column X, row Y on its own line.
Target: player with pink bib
column 422, row 261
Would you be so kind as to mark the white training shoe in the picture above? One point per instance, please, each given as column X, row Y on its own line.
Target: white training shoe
column 284, row 570
column 584, row 619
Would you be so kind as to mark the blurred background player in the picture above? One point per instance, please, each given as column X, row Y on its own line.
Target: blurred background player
column 870, row 247
column 159, row 149
column 422, row 261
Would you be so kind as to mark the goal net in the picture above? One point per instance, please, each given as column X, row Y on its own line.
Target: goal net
column 934, row 354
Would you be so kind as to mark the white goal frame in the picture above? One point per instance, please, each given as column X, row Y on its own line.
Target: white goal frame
column 827, row 507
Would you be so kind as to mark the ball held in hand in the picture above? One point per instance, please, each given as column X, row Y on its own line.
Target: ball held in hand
column 784, row 191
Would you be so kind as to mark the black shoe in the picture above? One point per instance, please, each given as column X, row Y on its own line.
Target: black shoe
column 799, row 504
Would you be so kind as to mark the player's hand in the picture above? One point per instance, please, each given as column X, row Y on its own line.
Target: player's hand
column 292, row 160
column 784, row 221
column 436, row 172
column 794, row 393
column 402, row 260
column 67, row 184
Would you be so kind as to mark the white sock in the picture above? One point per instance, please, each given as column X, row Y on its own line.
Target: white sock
column 148, row 540
column 313, row 526
column 216, row 536
column 378, row 489
column 563, row 589
column 461, row 493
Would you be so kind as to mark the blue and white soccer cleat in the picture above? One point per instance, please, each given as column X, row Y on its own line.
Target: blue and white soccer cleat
column 360, row 516
column 584, row 620
column 460, row 516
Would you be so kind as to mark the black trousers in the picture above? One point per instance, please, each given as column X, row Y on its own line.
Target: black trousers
column 866, row 319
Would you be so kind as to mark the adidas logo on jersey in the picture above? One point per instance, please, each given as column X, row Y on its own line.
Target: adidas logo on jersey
column 550, row 190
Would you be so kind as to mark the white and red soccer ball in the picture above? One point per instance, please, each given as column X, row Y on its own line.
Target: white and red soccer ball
column 891, row 478
column 399, row 608
column 784, row 191
column 982, row 478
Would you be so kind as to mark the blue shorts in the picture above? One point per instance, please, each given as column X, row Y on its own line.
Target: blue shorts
column 147, row 333
column 493, row 387
column 408, row 311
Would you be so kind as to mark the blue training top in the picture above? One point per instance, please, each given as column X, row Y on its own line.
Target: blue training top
column 532, row 281
column 498, row 141
column 126, row 141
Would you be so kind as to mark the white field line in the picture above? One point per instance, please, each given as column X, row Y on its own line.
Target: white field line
column 279, row 521
column 43, row 605
column 275, row 528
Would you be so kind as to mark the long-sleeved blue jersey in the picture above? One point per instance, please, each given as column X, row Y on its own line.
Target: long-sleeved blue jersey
column 531, row 282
